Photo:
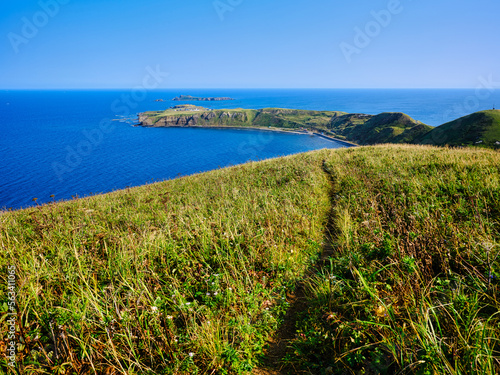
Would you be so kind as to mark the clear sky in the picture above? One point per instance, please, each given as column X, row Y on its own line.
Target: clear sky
column 249, row 43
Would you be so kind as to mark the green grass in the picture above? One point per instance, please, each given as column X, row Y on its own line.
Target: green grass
column 136, row 280
column 412, row 283
column 396, row 249
column 303, row 118
column 480, row 129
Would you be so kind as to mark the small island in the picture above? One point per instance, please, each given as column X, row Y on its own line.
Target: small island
column 194, row 98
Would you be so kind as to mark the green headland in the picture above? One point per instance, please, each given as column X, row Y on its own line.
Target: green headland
column 479, row 129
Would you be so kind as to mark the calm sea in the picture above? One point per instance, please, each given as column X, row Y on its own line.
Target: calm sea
column 69, row 143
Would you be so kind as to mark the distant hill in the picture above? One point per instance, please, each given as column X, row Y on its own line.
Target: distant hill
column 382, row 128
column 478, row 129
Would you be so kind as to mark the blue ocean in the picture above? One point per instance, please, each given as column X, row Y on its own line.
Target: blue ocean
column 57, row 145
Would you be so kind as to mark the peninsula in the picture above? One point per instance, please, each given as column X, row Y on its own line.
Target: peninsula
column 361, row 129
column 478, row 129
column 196, row 99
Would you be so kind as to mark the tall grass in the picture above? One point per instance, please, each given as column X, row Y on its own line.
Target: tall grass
column 185, row 276
column 412, row 286
column 193, row 275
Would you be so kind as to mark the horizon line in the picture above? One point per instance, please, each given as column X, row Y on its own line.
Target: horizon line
column 235, row 88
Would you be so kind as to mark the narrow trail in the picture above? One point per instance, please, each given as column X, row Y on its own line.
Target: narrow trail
column 279, row 343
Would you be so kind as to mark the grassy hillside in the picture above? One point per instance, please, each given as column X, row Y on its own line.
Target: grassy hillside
column 358, row 128
column 133, row 281
column 368, row 260
column 478, row 129
column 382, row 128
column 412, row 283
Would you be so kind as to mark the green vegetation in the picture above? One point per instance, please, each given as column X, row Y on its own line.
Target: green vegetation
column 375, row 259
column 358, row 128
column 133, row 281
column 412, row 282
column 200, row 116
column 382, row 128
column 480, row 129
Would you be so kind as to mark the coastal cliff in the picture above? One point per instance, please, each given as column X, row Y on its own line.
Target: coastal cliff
column 211, row 118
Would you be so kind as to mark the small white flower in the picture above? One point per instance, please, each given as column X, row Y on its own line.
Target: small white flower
column 215, row 293
column 188, row 303
column 191, row 354
column 154, row 308
column 169, row 317
column 208, row 294
column 230, row 289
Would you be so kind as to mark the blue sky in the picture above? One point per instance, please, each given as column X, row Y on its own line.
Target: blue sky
column 249, row 43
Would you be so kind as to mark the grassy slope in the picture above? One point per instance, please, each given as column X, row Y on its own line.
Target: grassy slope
column 413, row 283
column 135, row 280
column 128, row 280
column 480, row 126
column 382, row 128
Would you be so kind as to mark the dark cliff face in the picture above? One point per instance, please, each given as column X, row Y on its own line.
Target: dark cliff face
column 170, row 121
column 206, row 118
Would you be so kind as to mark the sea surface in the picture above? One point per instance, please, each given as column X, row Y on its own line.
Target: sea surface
column 77, row 143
